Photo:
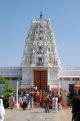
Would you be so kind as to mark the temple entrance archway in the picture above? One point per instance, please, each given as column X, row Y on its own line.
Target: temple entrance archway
column 40, row 79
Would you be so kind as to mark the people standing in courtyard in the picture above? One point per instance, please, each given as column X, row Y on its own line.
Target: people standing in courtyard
column 46, row 104
column 2, row 110
column 59, row 102
column 24, row 102
column 11, row 102
column 31, row 99
column 55, row 103
column 76, row 108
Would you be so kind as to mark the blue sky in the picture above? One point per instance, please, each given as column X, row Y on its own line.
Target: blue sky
column 15, row 20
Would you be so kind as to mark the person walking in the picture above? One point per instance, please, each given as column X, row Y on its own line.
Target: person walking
column 24, row 102
column 46, row 104
column 2, row 110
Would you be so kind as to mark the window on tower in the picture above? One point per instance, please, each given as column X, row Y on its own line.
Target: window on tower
column 40, row 38
column 40, row 59
column 40, row 49
column 40, row 26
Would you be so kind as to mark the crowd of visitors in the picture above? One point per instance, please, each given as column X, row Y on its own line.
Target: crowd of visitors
column 31, row 97
column 46, row 99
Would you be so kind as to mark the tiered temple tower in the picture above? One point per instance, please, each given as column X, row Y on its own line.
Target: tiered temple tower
column 40, row 61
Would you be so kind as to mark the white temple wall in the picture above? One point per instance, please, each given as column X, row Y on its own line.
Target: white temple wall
column 52, row 77
column 65, row 84
column 27, row 76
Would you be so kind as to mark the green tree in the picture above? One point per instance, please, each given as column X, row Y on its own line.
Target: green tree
column 9, row 89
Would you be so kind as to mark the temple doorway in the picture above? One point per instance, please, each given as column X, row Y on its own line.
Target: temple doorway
column 40, row 79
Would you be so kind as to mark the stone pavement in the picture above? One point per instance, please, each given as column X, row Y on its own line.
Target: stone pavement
column 64, row 115
column 37, row 114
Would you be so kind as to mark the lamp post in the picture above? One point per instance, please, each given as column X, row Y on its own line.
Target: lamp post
column 17, row 84
column 59, row 85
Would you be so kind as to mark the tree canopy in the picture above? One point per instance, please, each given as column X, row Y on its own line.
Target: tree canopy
column 9, row 89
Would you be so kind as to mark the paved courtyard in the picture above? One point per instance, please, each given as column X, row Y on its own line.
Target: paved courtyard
column 37, row 114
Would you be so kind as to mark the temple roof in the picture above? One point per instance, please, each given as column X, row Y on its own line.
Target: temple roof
column 40, row 47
